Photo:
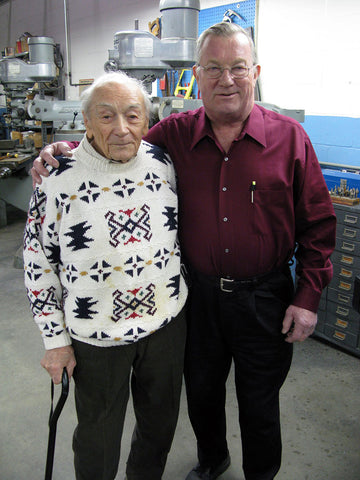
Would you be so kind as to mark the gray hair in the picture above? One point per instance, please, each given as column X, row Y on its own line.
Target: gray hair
column 119, row 78
column 224, row 29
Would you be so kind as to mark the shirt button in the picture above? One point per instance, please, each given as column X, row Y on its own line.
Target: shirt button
column 224, row 189
column 226, row 159
column 227, row 250
column 225, row 219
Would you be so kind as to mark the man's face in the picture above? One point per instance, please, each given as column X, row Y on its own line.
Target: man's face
column 227, row 99
column 116, row 122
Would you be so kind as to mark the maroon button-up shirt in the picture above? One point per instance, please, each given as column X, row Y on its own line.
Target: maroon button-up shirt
column 243, row 212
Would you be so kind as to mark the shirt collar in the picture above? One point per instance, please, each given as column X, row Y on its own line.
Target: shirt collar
column 254, row 127
column 202, row 128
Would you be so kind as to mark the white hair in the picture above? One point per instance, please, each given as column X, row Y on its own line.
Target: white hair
column 227, row 30
column 119, row 78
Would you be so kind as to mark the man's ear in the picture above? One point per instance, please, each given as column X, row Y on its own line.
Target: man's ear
column 87, row 124
column 257, row 70
column 145, row 127
column 195, row 69
column 85, row 118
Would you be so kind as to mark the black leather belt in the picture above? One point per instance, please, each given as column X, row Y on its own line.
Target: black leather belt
column 230, row 285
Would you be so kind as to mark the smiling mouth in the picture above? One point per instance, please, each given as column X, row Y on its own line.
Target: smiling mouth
column 227, row 94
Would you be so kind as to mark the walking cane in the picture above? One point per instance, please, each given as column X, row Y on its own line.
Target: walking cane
column 54, row 415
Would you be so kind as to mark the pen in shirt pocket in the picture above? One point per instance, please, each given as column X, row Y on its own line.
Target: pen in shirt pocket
column 252, row 190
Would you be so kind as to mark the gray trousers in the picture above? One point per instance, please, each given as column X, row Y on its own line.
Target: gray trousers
column 153, row 367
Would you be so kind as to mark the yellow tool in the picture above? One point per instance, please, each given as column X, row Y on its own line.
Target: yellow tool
column 187, row 89
column 9, row 155
column 154, row 27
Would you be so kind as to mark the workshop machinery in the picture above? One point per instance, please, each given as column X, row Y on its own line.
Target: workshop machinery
column 147, row 57
column 140, row 54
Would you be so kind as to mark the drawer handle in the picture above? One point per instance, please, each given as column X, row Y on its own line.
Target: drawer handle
column 341, row 323
column 339, row 335
column 350, row 247
column 347, row 260
column 350, row 219
column 346, row 273
column 343, row 298
column 345, row 286
column 342, row 311
column 349, row 232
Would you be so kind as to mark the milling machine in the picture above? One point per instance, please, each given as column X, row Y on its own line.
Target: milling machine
column 139, row 53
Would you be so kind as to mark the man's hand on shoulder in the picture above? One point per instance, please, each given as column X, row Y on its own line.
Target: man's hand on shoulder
column 47, row 155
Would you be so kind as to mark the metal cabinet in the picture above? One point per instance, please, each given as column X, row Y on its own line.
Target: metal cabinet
column 338, row 322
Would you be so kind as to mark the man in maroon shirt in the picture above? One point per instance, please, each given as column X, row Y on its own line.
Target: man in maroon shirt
column 251, row 194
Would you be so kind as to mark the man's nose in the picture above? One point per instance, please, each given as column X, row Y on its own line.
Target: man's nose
column 226, row 76
column 120, row 125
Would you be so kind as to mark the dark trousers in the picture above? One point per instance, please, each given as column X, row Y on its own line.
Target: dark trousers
column 244, row 327
column 154, row 367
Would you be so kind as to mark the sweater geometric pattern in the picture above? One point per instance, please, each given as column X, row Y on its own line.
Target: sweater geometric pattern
column 130, row 225
column 101, row 254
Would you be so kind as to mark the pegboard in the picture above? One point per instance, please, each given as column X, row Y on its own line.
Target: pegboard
column 209, row 16
column 246, row 9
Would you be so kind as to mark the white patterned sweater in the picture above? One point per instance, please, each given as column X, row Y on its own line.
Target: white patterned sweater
column 101, row 254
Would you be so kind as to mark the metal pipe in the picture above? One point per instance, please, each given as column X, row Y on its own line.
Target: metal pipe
column 68, row 47
column 66, row 36
column 44, row 29
column 9, row 25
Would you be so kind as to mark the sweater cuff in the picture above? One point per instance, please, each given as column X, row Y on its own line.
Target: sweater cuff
column 307, row 298
column 58, row 341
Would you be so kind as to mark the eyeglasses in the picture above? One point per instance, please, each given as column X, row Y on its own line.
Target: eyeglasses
column 238, row 71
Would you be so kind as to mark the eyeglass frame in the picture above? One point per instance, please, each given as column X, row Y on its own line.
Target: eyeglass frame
column 206, row 68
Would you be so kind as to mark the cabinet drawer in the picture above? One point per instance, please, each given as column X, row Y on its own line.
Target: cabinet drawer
column 341, row 324
column 348, row 233
column 348, row 260
column 347, row 246
column 346, row 273
column 341, row 337
column 347, row 218
column 339, row 297
column 343, row 312
column 342, row 284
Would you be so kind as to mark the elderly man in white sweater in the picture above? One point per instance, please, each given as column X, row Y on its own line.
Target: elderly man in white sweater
column 102, row 272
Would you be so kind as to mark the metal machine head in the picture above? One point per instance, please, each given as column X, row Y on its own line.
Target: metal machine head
column 143, row 56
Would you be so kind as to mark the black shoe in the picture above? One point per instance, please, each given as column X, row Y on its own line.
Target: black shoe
column 209, row 473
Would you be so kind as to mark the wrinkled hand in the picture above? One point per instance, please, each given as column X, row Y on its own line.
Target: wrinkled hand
column 47, row 156
column 56, row 359
column 298, row 324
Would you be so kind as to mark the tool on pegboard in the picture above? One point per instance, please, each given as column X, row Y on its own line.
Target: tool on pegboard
column 155, row 27
column 229, row 14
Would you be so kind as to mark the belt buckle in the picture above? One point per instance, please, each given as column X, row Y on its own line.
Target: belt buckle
column 222, row 286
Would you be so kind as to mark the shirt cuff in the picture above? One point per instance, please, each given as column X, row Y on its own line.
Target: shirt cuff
column 307, row 298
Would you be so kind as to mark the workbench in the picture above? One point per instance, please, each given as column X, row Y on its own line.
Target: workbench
column 15, row 189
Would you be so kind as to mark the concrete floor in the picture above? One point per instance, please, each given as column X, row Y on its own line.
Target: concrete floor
column 320, row 401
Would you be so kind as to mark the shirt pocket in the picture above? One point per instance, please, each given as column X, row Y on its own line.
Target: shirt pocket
column 272, row 210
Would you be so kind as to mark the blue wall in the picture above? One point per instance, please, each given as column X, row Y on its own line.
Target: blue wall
column 335, row 139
